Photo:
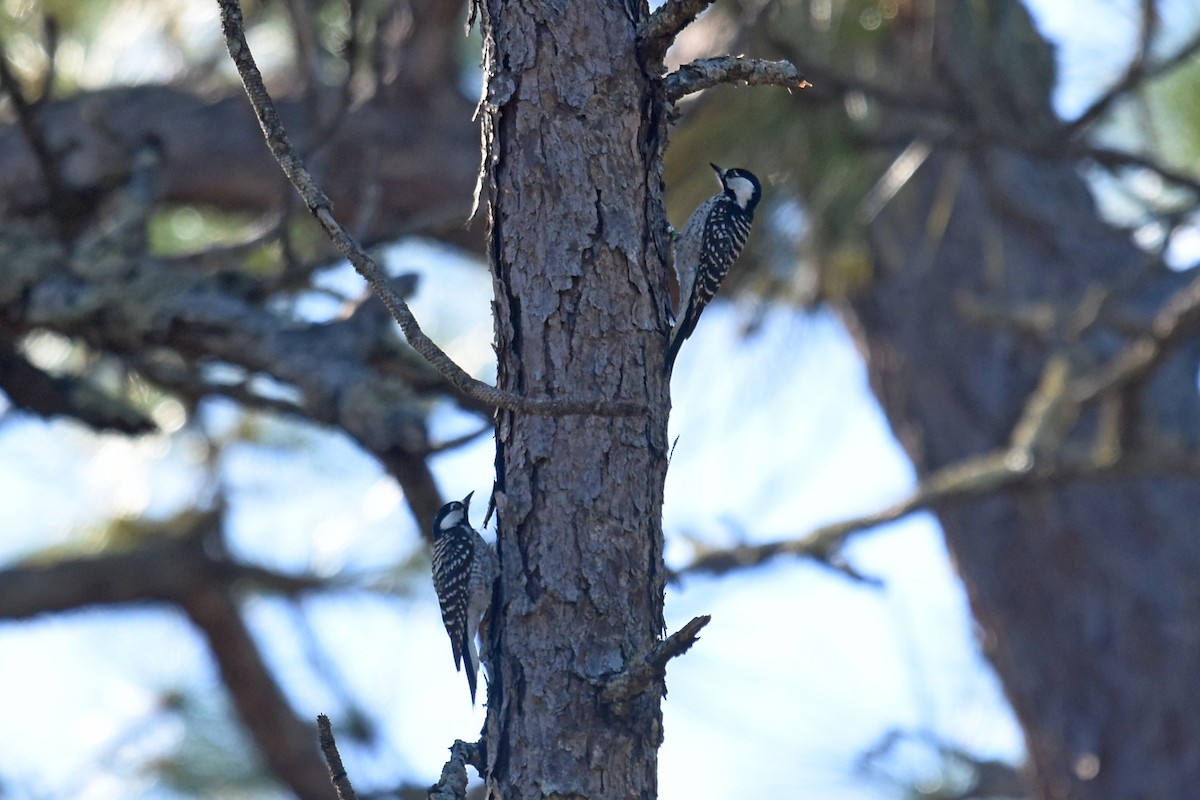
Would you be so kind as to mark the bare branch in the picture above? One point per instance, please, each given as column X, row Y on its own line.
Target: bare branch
column 1035, row 456
column 964, row 480
column 1111, row 158
column 708, row 72
column 452, row 785
column 333, row 759
column 1038, row 454
column 318, row 204
column 176, row 562
column 76, row 396
column 31, row 128
column 969, row 478
column 638, row 675
column 832, row 83
column 457, row 441
column 1179, row 317
column 1136, row 74
column 658, row 33
column 283, row 738
column 184, row 564
column 1132, row 77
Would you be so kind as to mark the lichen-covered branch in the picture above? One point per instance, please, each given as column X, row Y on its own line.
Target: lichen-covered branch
column 708, row 72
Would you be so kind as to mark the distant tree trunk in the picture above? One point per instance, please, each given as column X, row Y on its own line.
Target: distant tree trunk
column 1087, row 593
column 571, row 131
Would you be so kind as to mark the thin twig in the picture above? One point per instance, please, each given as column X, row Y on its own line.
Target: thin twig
column 1111, row 158
column 708, row 72
column 830, row 82
column 319, row 205
column 1179, row 317
column 456, row 441
column 31, row 128
column 333, row 759
column 1135, row 76
column 1131, row 78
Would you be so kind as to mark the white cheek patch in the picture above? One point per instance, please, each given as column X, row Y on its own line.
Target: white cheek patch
column 454, row 517
column 742, row 189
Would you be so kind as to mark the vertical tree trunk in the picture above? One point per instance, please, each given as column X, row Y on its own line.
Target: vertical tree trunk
column 1086, row 593
column 570, row 128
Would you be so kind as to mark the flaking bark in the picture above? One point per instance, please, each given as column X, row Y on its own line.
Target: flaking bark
column 572, row 129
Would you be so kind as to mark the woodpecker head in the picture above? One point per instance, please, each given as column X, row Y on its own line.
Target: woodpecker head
column 451, row 515
column 741, row 186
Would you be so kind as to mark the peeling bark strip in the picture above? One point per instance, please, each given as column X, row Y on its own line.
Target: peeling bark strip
column 572, row 127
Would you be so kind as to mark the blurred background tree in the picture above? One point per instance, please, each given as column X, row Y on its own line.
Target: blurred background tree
column 232, row 414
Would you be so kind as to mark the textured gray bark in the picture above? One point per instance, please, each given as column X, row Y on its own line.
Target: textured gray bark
column 1086, row 593
column 571, row 135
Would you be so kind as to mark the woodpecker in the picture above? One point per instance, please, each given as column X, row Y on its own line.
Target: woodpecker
column 464, row 570
column 709, row 245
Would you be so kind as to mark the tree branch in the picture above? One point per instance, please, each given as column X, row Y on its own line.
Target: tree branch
column 318, row 204
column 185, row 565
column 964, row 480
column 1132, row 77
column 1037, row 454
column 708, row 72
column 1178, row 318
column 75, row 396
column 333, row 759
column 26, row 115
column 658, row 32
column 1136, row 73
column 452, row 785
column 639, row 674
column 1110, row 158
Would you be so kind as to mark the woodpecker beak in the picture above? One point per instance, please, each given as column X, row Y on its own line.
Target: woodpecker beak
column 720, row 172
column 467, row 500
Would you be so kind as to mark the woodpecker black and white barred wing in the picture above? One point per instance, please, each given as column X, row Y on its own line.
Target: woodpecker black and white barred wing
column 453, row 562
column 726, row 228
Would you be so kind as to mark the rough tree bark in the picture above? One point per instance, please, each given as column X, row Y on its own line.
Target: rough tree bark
column 571, row 133
column 1086, row 593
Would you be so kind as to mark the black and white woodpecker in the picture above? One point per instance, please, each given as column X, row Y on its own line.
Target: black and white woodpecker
column 464, row 570
column 709, row 245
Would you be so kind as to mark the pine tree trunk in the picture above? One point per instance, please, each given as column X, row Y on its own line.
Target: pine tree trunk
column 1086, row 592
column 574, row 185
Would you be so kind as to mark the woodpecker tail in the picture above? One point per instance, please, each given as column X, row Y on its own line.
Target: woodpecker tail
column 471, row 662
column 672, row 351
column 683, row 329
